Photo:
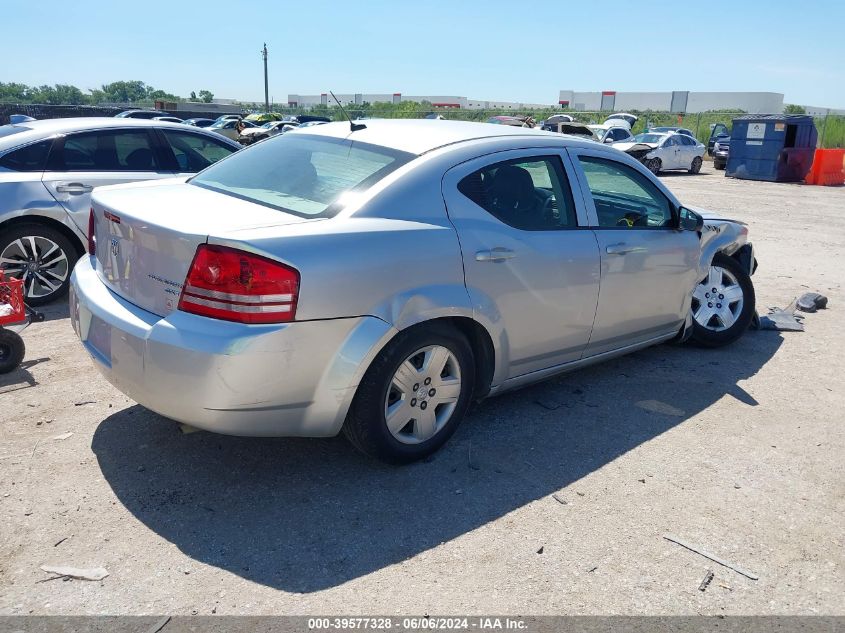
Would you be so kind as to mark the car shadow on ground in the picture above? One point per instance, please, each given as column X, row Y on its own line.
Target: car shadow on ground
column 303, row 515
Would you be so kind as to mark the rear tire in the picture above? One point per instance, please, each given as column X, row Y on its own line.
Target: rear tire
column 397, row 415
column 695, row 167
column 721, row 317
column 12, row 350
column 42, row 256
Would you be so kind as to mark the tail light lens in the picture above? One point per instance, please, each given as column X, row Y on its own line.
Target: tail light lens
column 230, row 284
column 92, row 238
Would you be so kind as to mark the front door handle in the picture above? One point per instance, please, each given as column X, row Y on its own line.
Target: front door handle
column 74, row 188
column 498, row 254
column 623, row 249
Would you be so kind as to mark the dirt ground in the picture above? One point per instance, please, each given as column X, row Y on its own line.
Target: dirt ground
column 550, row 500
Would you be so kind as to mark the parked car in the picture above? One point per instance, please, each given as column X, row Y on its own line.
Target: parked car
column 660, row 151
column 250, row 135
column 199, row 122
column 717, row 131
column 263, row 117
column 721, row 151
column 576, row 129
column 622, row 118
column 670, row 128
column 48, row 169
column 230, row 128
column 140, row 114
column 611, row 133
column 375, row 282
column 229, row 117
column 169, row 119
column 513, row 121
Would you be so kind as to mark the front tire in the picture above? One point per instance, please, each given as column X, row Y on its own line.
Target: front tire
column 654, row 165
column 413, row 396
column 723, row 303
column 40, row 255
column 695, row 167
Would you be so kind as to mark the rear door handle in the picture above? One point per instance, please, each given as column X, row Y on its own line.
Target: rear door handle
column 623, row 249
column 498, row 254
column 74, row 188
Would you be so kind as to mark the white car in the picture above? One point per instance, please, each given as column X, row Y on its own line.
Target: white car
column 660, row 152
column 612, row 132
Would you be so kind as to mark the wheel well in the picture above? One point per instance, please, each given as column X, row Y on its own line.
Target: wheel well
column 482, row 348
column 45, row 221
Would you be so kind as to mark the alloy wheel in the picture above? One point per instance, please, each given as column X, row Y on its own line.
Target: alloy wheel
column 717, row 300
column 39, row 261
column 423, row 394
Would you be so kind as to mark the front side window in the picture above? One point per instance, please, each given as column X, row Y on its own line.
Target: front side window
column 531, row 194
column 625, row 198
column 115, row 150
column 195, row 152
column 301, row 174
column 30, row 158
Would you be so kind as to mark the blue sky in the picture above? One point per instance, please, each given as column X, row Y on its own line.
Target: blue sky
column 497, row 50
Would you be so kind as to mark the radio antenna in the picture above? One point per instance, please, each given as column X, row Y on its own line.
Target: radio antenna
column 353, row 127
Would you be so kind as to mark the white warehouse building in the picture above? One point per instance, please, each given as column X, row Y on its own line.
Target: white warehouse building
column 676, row 101
column 440, row 101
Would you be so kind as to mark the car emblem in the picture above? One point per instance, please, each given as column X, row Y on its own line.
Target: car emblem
column 115, row 247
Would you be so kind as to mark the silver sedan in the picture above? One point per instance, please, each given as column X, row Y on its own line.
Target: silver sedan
column 48, row 169
column 376, row 280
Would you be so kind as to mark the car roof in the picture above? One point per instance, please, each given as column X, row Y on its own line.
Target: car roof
column 45, row 128
column 418, row 136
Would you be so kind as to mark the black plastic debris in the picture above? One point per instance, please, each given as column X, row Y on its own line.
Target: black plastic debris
column 811, row 301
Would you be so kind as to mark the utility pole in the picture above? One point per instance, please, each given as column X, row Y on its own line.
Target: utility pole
column 266, row 90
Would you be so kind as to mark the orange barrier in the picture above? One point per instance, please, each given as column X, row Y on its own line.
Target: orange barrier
column 828, row 168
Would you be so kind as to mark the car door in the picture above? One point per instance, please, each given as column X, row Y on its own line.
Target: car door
column 530, row 263
column 671, row 153
column 689, row 150
column 83, row 160
column 648, row 266
column 192, row 152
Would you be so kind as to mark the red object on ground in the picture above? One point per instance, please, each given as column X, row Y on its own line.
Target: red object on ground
column 11, row 293
column 828, row 168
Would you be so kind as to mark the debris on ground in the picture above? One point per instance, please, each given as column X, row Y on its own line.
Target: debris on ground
column 715, row 559
column 811, row 301
column 592, row 569
column 542, row 547
column 187, row 429
column 724, row 586
column 159, row 625
column 60, row 541
column 84, row 402
column 63, row 436
column 61, row 571
column 708, row 578
column 655, row 406
column 560, row 500
column 784, row 320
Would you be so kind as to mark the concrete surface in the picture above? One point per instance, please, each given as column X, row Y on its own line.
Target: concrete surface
column 746, row 462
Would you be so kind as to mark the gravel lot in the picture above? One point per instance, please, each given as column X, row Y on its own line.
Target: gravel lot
column 746, row 462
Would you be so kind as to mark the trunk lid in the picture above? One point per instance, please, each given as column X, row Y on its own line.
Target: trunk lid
column 147, row 235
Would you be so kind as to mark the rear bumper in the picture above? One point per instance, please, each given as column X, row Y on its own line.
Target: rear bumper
column 294, row 379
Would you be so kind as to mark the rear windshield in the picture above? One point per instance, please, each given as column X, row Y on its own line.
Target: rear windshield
column 301, row 174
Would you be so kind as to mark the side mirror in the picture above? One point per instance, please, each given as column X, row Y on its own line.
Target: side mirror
column 689, row 220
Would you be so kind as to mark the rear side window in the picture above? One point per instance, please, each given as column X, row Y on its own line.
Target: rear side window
column 30, row 158
column 116, row 150
column 195, row 152
column 531, row 194
column 302, row 174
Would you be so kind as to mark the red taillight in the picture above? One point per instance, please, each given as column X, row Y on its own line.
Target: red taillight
column 226, row 283
column 92, row 238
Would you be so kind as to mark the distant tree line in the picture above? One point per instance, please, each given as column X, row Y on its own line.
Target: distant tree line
column 116, row 92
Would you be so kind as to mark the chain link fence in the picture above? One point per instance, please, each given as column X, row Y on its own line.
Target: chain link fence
column 831, row 127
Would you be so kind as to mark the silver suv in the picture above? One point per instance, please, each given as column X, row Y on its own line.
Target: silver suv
column 48, row 169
